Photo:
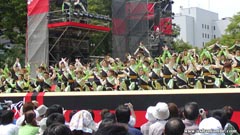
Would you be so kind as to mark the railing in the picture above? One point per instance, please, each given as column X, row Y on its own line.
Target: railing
column 76, row 16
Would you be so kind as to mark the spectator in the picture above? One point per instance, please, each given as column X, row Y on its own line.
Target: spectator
column 6, row 126
column 212, row 125
column 132, row 120
column 174, row 126
column 56, row 108
column 55, row 118
column 57, row 129
column 180, row 112
column 41, row 112
column 102, row 113
column 151, row 120
column 82, row 123
column 191, row 113
column 52, row 109
column 230, row 124
column 26, row 107
column 123, row 116
column 114, row 129
column 161, row 113
column 92, row 113
column 72, row 113
column 110, row 116
column 173, row 109
column 220, row 115
column 106, row 122
column 29, row 125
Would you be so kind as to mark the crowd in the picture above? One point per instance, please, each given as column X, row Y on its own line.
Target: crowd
column 163, row 118
column 216, row 66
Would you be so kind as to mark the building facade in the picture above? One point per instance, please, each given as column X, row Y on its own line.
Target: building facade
column 199, row 26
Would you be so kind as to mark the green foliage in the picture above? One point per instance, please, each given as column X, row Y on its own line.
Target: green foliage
column 180, row 45
column 13, row 22
column 176, row 30
column 9, row 56
column 101, row 7
column 234, row 28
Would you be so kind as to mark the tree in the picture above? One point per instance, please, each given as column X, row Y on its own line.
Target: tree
column 102, row 7
column 13, row 22
column 234, row 27
column 176, row 30
column 179, row 45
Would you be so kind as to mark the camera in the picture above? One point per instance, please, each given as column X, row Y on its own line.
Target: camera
column 201, row 111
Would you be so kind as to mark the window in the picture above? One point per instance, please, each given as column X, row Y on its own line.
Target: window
column 208, row 36
column 203, row 35
column 214, row 28
column 208, row 27
column 205, row 26
column 214, row 36
column 202, row 25
column 203, row 44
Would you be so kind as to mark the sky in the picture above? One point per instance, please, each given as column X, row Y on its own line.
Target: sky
column 224, row 8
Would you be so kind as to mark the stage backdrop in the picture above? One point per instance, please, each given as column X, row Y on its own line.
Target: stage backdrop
column 37, row 45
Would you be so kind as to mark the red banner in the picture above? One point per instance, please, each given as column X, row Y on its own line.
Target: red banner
column 37, row 7
column 165, row 26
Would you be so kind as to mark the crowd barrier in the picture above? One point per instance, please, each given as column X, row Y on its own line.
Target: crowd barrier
column 97, row 100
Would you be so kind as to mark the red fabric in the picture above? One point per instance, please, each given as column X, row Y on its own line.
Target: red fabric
column 16, row 114
column 66, row 115
column 40, row 97
column 165, row 26
column 119, row 26
column 80, row 25
column 236, row 117
column 28, row 97
column 150, row 8
column 37, row 7
column 53, row 88
column 136, row 8
column 140, row 10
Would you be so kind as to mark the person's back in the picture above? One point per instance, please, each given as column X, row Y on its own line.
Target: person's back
column 174, row 126
column 113, row 129
column 230, row 124
column 151, row 120
column 191, row 113
column 161, row 113
column 123, row 116
column 145, row 128
column 157, row 128
column 29, row 126
column 28, row 130
column 57, row 129
column 6, row 127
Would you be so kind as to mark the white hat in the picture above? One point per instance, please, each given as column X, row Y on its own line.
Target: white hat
column 41, row 110
column 149, row 116
column 161, row 111
column 83, row 120
column 210, row 125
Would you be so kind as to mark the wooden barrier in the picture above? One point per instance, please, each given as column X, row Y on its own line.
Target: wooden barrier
column 206, row 98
